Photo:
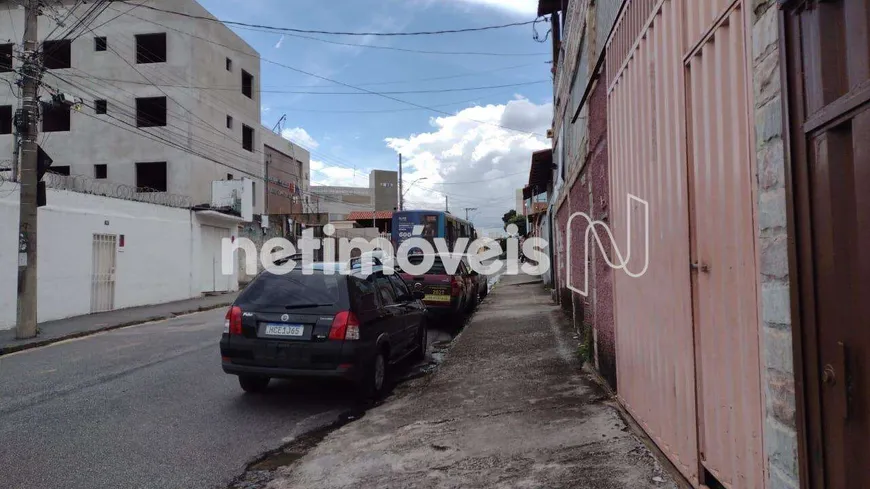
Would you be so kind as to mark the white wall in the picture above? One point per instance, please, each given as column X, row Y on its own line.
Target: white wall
column 159, row 262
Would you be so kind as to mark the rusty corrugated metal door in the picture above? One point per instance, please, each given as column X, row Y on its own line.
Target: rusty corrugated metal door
column 653, row 315
column 724, row 269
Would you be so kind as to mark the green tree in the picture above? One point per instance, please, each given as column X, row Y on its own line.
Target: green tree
column 511, row 217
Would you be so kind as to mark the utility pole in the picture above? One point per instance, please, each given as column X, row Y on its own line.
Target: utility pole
column 27, row 120
column 467, row 210
column 401, row 196
column 446, row 203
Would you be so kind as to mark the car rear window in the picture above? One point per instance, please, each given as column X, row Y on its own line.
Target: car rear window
column 293, row 289
column 437, row 265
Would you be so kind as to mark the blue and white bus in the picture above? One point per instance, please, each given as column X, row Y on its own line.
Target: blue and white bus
column 430, row 225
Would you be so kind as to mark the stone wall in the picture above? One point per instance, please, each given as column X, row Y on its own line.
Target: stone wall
column 780, row 437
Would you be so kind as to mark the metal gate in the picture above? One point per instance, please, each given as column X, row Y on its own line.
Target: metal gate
column 828, row 47
column 211, row 271
column 687, row 331
column 724, row 277
column 103, row 272
column 653, row 313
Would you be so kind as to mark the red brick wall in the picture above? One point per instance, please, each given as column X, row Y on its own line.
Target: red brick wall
column 598, row 177
column 579, row 196
column 562, row 215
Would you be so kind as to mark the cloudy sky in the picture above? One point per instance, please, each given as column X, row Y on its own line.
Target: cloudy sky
column 474, row 147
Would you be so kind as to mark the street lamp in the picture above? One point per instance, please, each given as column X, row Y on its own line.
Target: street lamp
column 405, row 192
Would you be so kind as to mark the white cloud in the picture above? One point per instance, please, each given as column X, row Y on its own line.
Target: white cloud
column 324, row 174
column 280, row 42
column 487, row 163
column 521, row 7
column 301, row 137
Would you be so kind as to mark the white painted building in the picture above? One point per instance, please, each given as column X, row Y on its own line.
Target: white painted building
column 149, row 81
column 99, row 253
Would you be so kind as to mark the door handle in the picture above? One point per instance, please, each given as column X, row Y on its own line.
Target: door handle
column 835, row 377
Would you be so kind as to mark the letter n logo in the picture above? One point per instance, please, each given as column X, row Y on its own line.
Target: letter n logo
column 593, row 228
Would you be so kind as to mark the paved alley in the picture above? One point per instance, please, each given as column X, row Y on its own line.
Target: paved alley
column 509, row 407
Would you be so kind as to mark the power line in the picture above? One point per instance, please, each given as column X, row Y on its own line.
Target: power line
column 238, row 88
column 221, row 133
column 126, row 126
column 482, row 181
column 207, row 148
column 394, row 48
column 209, row 127
column 324, row 78
column 340, row 33
column 447, row 77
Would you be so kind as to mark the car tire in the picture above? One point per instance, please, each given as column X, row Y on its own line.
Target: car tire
column 253, row 384
column 422, row 343
column 485, row 291
column 374, row 381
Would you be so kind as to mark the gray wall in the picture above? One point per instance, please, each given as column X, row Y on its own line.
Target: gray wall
column 341, row 201
column 385, row 188
column 196, row 118
column 780, row 424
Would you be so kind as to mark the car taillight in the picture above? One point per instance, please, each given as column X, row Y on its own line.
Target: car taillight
column 345, row 326
column 233, row 321
column 455, row 286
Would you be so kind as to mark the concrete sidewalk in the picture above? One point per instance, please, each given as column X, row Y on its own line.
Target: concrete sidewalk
column 509, row 407
column 63, row 329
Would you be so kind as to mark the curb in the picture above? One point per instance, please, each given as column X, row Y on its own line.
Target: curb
column 81, row 334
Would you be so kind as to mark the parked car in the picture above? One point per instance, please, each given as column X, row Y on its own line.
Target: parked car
column 351, row 327
column 333, row 267
column 376, row 257
column 481, row 280
column 445, row 293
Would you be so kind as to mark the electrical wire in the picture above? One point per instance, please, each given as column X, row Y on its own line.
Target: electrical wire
column 205, row 122
column 392, row 82
column 483, row 181
column 207, row 148
column 126, row 126
column 339, row 33
column 324, row 78
column 238, row 88
column 12, row 24
column 394, row 48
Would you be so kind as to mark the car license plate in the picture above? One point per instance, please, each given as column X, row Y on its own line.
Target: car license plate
column 436, row 298
column 284, row 330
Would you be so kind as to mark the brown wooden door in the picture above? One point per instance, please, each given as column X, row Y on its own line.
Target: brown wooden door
column 828, row 50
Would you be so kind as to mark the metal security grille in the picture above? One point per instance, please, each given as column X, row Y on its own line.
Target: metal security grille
column 103, row 273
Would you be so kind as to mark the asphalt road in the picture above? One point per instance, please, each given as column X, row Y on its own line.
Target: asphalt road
column 144, row 407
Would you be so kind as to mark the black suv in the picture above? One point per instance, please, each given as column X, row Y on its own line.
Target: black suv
column 350, row 327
